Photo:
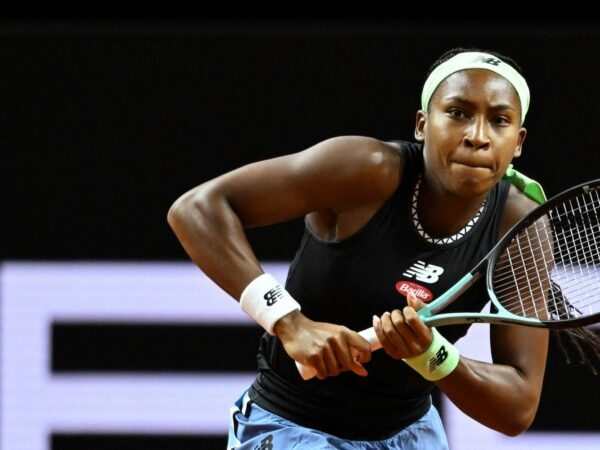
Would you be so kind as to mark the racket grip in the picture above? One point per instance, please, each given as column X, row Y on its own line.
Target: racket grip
column 307, row 372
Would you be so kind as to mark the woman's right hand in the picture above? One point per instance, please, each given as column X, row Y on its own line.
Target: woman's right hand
column 328, row 348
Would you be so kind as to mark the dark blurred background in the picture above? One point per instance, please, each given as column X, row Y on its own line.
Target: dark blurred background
column 105, row 122
column 106, row 119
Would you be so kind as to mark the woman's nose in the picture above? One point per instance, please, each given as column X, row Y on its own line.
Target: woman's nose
column 476, row 134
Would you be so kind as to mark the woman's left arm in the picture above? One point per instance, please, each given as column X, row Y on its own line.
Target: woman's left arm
column 503, row 395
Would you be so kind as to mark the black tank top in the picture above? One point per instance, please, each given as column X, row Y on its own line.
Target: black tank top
column 347, row 283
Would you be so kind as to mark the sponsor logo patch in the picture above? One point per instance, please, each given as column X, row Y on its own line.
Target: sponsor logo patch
column 422, row 293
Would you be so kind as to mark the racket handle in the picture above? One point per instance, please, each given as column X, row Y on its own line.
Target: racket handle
column 307, row 372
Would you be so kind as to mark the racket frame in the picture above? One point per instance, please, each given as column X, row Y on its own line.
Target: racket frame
column 431, row 314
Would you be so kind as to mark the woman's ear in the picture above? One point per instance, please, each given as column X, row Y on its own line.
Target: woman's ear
column 420, row 125
column 519, row 149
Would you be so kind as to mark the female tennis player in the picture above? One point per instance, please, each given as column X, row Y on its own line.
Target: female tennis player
column 389, row 226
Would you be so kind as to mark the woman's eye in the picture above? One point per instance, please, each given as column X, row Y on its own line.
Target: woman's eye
column 500, row 120
column 456, row 112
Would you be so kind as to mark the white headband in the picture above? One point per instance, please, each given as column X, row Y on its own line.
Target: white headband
column 476, row 60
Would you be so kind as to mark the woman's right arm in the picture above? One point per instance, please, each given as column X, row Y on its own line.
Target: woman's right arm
column 333, row 178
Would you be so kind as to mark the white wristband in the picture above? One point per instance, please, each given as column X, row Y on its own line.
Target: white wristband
column 438, row 361
column 267, row 301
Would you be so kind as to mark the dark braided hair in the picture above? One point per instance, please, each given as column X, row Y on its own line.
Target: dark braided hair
column 581, row 338
column 456, row 50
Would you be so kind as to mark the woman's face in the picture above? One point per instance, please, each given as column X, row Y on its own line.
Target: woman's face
column 471, row 132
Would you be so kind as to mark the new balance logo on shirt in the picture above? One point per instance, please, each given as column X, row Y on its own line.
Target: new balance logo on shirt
column 426, row 273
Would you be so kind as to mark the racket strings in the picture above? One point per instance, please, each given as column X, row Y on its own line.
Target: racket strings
column 551, row 269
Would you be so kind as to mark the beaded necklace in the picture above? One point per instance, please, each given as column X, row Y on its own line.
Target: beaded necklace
column 444, row 240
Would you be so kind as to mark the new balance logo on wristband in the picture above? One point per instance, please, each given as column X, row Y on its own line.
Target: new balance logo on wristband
column 267, row 301
column 273, row 295
column 438, row 359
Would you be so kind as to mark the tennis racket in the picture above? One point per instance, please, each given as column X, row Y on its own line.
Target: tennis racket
column 544, row 272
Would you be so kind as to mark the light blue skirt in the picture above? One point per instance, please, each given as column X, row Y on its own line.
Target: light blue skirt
column 254, row 428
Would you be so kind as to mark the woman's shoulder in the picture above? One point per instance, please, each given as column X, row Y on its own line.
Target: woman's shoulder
column 364, row 152
column 371, row 148
column 517, row 206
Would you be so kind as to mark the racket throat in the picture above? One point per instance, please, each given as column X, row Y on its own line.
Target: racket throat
column 450, row 295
